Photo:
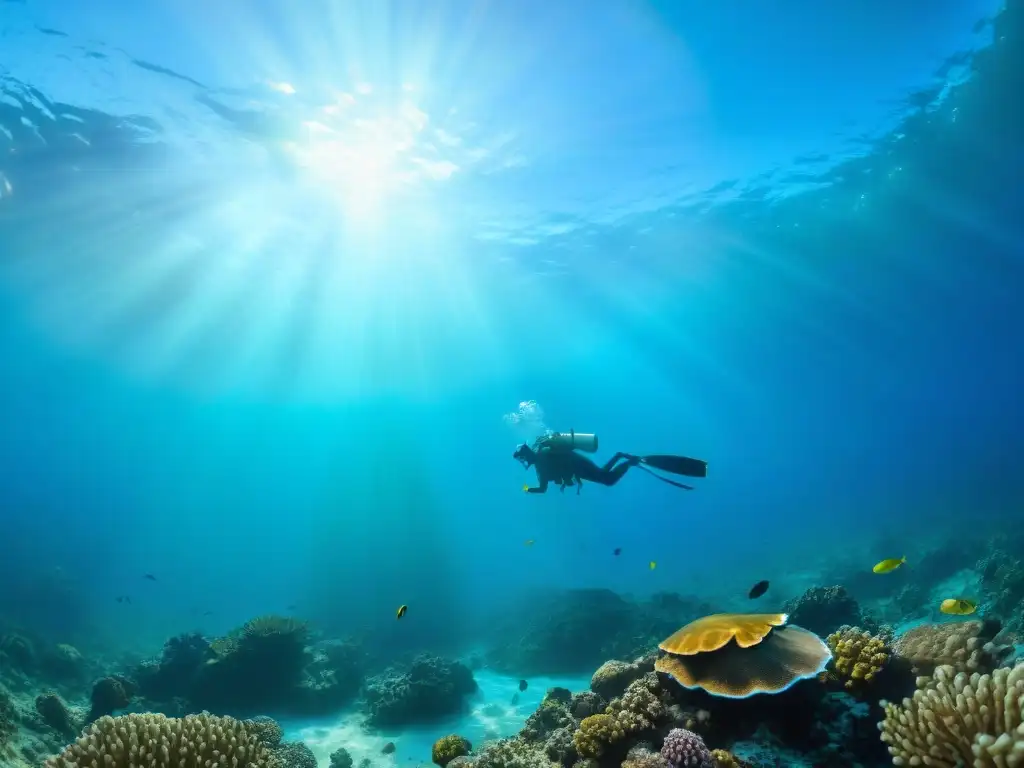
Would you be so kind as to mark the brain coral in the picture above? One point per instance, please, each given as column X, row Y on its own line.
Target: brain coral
column 156, row 741
column 965, row 645
column 954, row 720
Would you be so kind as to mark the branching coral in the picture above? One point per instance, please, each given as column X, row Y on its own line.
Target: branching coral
column 955, row 720
column 447, row 748
column 857, row 655
column 965, row 645
column 156, row 740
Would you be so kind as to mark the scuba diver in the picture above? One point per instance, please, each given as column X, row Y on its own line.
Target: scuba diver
column 556, row 460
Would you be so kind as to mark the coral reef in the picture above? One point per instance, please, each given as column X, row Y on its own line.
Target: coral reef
column 955, row 720
column 552, row 714
column 822, row 609
column 685, row 749
column 967, row 646
column 447, row 748
column 857, row 655
column 265, row 729
column 131, row 740
column 510, row 753
column 431, row 688
column 292, row 754
column 258, row 667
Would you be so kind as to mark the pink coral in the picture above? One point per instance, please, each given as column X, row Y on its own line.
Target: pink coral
column 685, row 749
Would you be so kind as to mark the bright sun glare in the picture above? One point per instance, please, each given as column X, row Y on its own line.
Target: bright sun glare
column 365, row 157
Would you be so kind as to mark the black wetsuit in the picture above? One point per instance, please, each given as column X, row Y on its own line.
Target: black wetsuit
column 571, row 468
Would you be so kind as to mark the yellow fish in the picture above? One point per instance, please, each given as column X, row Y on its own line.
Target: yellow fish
column 401, row 611
column 958, row 607
column 890, row 565
column 652, row 565
column 526, row 488
column 528, row 542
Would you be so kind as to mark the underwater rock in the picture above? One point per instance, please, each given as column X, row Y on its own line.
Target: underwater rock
column 1002, row 584
column 432, row 688
column 340, row 758
column 447, row 748
column 63, row 664
column 17, row 651
column 585, row 704
column 256, row 668
column 575, row 631
column 612, row 677
column 180, row 663
column 332, row 679
column 824, row 609
column 8, row 721
column 108, row 695
column 56, row 714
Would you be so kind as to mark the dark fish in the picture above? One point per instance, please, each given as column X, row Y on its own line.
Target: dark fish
column 207, row 613
column 522, row 685
column 124, row 599
column 617, row 551
column 757, row 590
column 388, row 748
column 149, row 576
column 401, row 611
column 291, row 607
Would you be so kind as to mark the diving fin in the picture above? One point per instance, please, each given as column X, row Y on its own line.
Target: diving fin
column 677, row 465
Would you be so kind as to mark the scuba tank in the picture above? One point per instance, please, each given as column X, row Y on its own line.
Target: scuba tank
column 568, row 441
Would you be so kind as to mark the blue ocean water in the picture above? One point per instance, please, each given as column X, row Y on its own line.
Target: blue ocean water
column 283, row 288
